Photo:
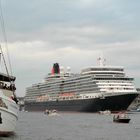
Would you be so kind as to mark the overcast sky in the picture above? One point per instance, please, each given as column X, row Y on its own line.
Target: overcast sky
column 71, row 32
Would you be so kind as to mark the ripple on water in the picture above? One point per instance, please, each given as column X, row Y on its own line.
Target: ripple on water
column 73, row 126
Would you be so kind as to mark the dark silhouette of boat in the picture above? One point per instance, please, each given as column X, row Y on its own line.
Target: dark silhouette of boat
column 121, row 118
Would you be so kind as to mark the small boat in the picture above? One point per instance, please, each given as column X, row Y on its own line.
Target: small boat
column 121, row 118
column 106, row 112
column 51, row 112
column 136, row 110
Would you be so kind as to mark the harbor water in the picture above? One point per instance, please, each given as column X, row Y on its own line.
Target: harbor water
column 74, row 126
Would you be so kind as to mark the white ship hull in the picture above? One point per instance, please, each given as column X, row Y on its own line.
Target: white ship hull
column 8, row 116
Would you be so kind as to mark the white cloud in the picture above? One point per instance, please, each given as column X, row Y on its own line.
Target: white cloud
column 33, row 60
column 86, row 3
column 93, row 3
column 73, row 33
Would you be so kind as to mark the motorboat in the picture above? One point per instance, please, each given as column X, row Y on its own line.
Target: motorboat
column 121, row 118
column 51, row 112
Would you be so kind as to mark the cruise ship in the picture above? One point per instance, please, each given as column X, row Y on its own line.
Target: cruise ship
column 95, row 88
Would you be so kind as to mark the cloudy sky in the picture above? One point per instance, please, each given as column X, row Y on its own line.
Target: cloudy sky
column 72, row 32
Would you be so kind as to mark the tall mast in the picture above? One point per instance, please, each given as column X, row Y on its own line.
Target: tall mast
column 5, row 40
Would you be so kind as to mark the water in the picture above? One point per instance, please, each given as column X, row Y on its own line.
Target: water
column 74, row 126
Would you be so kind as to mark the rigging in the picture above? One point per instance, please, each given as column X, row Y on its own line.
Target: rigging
column 5, row 40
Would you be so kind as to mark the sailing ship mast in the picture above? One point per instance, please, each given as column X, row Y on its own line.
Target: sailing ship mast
column 2, row 53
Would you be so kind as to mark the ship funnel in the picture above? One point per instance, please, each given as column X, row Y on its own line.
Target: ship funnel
column 55, row 69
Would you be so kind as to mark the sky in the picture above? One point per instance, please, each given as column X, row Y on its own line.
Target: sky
column 74, row 33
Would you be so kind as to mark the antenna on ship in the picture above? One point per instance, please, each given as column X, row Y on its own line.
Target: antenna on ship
column 102, row 61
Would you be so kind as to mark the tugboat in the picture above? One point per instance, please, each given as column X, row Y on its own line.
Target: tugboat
column 121, row 118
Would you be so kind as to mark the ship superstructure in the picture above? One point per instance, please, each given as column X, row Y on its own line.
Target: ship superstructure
column 94, row 89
